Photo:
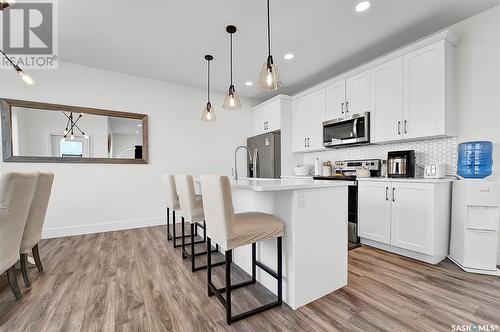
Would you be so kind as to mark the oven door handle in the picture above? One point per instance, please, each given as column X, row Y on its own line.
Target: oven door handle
column 355, row 128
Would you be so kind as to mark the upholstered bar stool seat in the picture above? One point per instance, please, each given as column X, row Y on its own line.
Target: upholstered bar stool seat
column 192, row 212
column 251, row 227
column 231, row 231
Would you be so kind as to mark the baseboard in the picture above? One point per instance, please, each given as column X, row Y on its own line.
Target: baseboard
column 54, row 232
column 404, row 252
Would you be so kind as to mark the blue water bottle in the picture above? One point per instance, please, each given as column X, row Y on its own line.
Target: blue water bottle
column 475, row 159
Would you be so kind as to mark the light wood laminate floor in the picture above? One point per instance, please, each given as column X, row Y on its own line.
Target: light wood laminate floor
column 134, row 280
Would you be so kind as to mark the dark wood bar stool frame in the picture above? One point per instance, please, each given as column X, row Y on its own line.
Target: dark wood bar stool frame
column 192, row 254
column 212, row 290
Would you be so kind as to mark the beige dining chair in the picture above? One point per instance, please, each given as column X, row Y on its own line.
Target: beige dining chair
column 16, row 194
column 34, row 224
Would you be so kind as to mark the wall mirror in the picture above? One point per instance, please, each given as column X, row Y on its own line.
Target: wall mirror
column 41, row 132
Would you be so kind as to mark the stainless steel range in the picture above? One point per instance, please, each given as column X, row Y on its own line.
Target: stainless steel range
column 350, row 170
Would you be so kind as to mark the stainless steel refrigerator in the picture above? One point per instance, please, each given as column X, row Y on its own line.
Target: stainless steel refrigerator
column 266, row 148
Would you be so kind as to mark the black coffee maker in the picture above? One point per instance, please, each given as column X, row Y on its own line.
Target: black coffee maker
column 401, row 164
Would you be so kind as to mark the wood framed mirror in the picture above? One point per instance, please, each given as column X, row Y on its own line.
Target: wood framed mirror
column 52, row 133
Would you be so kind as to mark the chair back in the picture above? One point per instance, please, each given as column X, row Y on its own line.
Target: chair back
column 218, row 206
column 16, row 193
column 187, row 200
column 171, row 191
column 38, row 208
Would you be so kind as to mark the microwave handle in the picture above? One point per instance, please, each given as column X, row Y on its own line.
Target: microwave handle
column 355, row 128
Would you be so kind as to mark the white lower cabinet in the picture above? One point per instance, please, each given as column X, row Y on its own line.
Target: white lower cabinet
column 408, row 218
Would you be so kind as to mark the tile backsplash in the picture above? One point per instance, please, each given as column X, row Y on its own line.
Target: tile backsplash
column 437, row 150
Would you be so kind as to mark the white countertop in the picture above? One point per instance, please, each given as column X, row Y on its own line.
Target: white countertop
column 285, row 184
column 414, row 180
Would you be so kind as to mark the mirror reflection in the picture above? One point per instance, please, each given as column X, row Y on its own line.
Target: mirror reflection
column 67, row 134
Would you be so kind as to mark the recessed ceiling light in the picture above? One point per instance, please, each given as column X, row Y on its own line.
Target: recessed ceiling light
column 362, row 6
column 249, row 83
column 139, row 125
column 288, row 56
column 137, row 132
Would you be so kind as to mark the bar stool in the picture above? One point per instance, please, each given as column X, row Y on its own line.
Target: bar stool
column 192, row 210
column 230, row 231
column 172, row 204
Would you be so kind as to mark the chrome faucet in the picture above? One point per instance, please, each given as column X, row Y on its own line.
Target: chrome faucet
column 235, row 170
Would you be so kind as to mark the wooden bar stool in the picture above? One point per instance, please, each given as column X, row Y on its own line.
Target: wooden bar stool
column 172, row 205
column 192, row 211
column 230, row 231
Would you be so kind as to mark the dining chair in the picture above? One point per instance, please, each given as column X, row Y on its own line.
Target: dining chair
column 16, row 194
column 34, row 224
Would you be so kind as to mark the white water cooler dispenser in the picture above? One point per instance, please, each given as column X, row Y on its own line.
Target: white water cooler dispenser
column 474, row 225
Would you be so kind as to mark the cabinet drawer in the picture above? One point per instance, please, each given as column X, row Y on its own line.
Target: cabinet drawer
column 482, row 218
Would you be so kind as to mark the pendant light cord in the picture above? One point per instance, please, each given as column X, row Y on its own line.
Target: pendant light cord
column 8, row 59
column 231, row 58
column 268, row 30
column 208, row 79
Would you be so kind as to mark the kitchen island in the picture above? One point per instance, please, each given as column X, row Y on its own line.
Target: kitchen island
column 315, row 239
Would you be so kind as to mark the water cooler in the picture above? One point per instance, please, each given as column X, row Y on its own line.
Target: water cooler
column 476, row 210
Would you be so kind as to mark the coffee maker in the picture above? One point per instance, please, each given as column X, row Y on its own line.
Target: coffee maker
column 401, row 164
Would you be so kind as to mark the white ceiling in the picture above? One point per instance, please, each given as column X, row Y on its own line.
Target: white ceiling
column 168, row 39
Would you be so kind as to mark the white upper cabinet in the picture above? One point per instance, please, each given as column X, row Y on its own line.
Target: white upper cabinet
column 267, row 117
column 358, row 93
column 300, row 124
column 425, row 91
column 335, row 100
column 308, row 117
column 316, row 117
column 386, row 90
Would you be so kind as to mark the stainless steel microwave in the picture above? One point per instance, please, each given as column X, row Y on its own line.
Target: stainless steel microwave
column 354, row 129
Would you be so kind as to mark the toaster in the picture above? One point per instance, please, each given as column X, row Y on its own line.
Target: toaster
column 435, row 171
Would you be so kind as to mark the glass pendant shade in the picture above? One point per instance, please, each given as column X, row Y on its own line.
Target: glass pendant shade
column 269, row 79
column 232, row 100
column 208, row 113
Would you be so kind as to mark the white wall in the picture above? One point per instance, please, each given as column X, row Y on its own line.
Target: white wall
column 94, row 197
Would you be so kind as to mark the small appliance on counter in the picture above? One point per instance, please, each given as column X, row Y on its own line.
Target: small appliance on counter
column 435, row 171
column 401, row 164
column 474, row 225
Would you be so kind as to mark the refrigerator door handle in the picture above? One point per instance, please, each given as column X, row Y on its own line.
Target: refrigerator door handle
column 254, row 163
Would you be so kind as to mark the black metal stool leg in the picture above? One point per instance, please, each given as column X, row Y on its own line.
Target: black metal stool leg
column 280, row 270
column 254, row 259
column 209, row 267
column 229, row 254
column 168, row 224
column 183, row 242
column 193, row 257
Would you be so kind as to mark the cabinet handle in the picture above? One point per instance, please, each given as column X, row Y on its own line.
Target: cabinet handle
column 399, row 127
column 305, row 142
column 406, row 132
column 393, row 194
column 346, row 107
column 386, row 193
column 342, row 107
column 308, row 142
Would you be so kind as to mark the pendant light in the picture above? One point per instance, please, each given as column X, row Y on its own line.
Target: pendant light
column 208, row 111
column 269, row 79
column 232, row 100
column 26, row 78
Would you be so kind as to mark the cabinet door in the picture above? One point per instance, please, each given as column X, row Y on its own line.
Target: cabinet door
column 424, row 92
column 386, row 90
column 358, row 93
column 272, row 117
column 374, row 211
column 300, row 124
column 315, row 117
column 411, row 211
column 335, row 100
column 259, row 121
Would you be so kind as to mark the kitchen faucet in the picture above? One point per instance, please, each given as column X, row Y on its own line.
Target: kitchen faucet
column 254, row 161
